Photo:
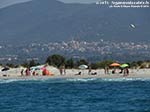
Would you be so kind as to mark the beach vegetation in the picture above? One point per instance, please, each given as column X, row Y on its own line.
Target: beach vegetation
column 140, row 64
column 101, row 64
column 69, row 63
column 56, row 60
column 25, row 64
column 29, row 64
column 81, row 62
column 33, row 63
column 10, row 65
column 134, row 64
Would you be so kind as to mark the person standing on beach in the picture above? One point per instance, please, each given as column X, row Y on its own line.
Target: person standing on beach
column 106, row 70
column 64, row 70
column 27, row 72
column 90, row 70
column 33, row 73
column 126, row 72
column 61, row 70
column 22, row 72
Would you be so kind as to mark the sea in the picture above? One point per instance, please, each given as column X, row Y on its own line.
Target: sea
column 75, row 95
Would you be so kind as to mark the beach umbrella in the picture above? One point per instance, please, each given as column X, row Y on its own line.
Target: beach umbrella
column 124, row 65
column 34, row 68
column 83, row 67
column 114, row 65
column 39, row 67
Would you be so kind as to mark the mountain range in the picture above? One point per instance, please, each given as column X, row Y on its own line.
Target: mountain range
column 52, row 20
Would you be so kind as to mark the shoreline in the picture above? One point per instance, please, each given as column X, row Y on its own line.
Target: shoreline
column 114, row 76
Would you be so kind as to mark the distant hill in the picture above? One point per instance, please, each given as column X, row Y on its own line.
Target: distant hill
column 6, row 3
column 51, row 20
column 79, row 1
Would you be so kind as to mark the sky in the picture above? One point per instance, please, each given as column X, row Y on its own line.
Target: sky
column 5, row 3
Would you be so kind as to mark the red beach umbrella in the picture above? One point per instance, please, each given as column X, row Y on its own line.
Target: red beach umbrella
column 114, row 65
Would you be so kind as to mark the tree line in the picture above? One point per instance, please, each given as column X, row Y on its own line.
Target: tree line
column 59, row 60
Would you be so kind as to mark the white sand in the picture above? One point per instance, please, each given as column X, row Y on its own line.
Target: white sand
column 70, row 73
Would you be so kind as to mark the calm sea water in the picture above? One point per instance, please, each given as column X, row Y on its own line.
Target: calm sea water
column 75, row 95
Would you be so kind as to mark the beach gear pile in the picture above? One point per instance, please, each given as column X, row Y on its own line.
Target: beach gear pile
column 38, row 70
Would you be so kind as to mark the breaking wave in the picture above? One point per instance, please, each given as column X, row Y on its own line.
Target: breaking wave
column 64, row 80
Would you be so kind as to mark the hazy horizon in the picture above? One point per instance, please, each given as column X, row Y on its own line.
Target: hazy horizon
column 5, row 3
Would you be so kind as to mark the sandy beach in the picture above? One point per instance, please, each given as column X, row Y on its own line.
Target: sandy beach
column 15, row 73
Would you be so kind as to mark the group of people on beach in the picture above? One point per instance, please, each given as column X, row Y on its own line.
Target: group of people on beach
column 62, row 70
column 29, row 72
column 124, row 71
